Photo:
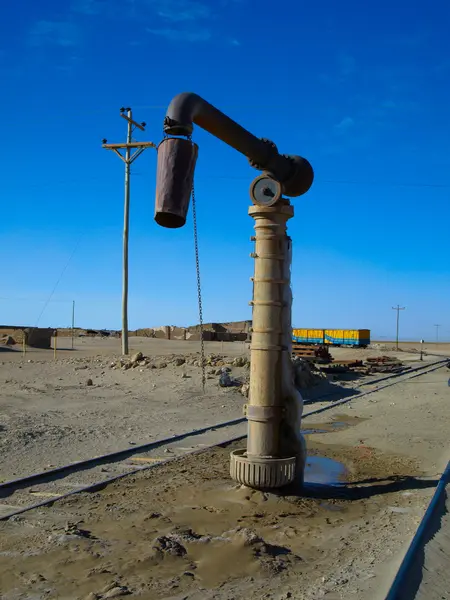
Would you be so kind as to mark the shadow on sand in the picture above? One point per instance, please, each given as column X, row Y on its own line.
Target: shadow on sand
column 360, row 490
column 329, row 391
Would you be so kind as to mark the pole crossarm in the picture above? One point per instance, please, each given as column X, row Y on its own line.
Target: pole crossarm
column 129, row 145
column 139, row 146
column 140, row 126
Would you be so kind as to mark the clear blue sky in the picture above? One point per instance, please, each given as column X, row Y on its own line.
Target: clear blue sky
column 361, row 89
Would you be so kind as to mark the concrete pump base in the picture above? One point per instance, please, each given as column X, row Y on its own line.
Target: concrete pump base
column 261, row 472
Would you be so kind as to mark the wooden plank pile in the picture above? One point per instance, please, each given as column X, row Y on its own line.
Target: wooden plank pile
column 320, row 355
column 312, row 353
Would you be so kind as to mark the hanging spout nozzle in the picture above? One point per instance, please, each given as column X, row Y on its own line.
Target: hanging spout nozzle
column 174, row 178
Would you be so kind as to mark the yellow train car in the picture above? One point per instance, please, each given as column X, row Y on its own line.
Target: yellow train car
column 333, row 337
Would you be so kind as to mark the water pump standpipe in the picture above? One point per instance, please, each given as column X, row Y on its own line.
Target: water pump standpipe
column 275, row 453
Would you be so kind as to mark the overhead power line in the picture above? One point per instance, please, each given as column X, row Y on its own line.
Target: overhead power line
column 59, row 279
column 318, row 180
column 30, row 299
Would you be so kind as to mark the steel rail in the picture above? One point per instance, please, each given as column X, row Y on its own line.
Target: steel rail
column 94, row 487
column 402, row 578
column 417, row 371
column 113, row 456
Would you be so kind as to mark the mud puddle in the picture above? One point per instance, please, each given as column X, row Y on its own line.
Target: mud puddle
column 183, row 529
column 338, row 423
column 324, row 471
column 314, row 430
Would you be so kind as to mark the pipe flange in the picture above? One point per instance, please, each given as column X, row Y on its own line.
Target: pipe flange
column 261, row 473
column 265, row 191
column 271, row 150
column 172, row 127
column 263, row 414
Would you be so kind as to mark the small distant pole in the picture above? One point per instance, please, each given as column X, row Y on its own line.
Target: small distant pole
column 55, row 337
column 421, row 349
column 398, row 308
column 437, row 333
column 127, row 159
column 73, row 320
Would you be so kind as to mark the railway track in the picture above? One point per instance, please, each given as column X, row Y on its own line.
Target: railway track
column 424, row 573
column 397, row 377
column 44, row 488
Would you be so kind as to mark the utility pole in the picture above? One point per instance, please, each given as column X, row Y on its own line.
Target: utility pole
column 128, row 159
column 398, row 308
column 437, row 333
column 73, row 320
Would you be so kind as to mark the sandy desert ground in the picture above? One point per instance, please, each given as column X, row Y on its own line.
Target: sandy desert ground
column 184, row 531
column 50, row 416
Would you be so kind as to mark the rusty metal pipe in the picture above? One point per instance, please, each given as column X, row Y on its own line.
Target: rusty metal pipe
column 293, row 172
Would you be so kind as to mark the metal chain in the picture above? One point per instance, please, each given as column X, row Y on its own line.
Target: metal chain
column 199, row 288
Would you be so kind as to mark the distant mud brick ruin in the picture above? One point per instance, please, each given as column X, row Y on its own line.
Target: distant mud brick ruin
column 37, row 337
column 34, row 337
column 237, row 331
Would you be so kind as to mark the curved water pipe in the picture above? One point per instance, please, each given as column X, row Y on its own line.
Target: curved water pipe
column 177, row 156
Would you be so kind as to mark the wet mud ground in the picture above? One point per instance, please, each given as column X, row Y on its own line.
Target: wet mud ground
column 183, row 530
